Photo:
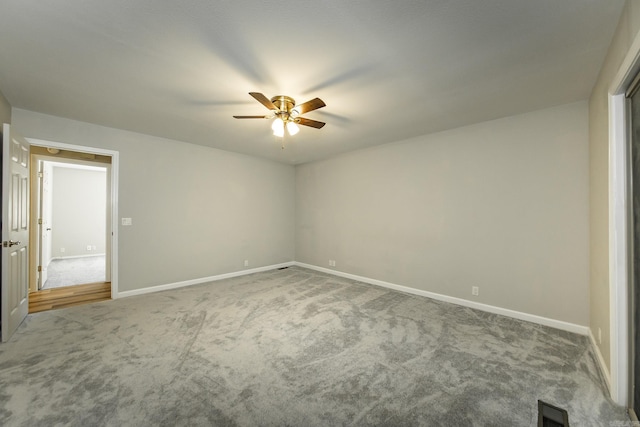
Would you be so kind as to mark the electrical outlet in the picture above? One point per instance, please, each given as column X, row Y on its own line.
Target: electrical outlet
column 599, row 336
column 332, row 263
column 475, row 290
column 246, row 263
column 88, row 247
column 62, row 250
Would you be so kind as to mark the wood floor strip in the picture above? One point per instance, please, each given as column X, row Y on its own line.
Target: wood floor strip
column 73, row 299
column 69, row 291
column 51, row 299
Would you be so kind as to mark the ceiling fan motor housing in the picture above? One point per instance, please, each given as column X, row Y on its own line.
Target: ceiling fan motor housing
column 285, row 104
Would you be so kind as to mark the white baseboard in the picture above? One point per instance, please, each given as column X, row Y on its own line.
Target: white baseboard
column 76, row 256
column 601, row 363
column 558, row 324
column 177, row 285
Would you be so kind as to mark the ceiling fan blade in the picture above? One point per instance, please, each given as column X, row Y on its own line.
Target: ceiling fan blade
column 250, row 117
column 305, row 107
column 308, row 122
column 263, row 100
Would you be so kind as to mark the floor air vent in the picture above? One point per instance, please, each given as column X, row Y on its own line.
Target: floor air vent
column 551, row 416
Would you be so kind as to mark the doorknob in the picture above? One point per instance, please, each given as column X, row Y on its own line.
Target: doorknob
column 10, row 243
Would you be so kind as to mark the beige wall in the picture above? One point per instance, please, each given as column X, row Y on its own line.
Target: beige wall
column 501, row 205
column 79, row 206
column 197, row 211
column 598, row 176
column 5, row 110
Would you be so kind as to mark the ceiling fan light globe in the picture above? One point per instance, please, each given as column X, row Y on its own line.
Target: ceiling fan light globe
column 277, row 125
column 292, row 128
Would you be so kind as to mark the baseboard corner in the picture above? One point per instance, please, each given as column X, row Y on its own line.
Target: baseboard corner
column 600, row 361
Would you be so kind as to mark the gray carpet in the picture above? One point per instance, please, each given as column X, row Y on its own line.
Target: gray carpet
column 75, row 271
column 293, row 347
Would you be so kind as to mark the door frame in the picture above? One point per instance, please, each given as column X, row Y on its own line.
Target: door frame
column 619, row 265
column 112, row 195
column 35, row 238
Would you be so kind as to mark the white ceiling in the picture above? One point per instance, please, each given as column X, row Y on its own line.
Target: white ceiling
column 387, row 70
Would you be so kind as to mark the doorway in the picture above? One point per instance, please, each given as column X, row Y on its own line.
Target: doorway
column 72, row 223
column 70, row 216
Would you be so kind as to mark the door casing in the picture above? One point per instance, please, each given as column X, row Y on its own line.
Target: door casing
column 112, row 207
column 36, row 280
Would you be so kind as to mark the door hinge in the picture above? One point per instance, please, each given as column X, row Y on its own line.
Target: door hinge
column 39, row 268
column 40, row 175
column 39, row 221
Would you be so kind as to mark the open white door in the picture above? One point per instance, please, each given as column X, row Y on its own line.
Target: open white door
column 15, row 231
column 44, row 256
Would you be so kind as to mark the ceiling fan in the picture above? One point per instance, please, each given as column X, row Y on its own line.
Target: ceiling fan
column 287, row 113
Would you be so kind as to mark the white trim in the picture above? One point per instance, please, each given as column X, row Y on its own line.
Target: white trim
column 558, row 324
column 75, row 256
column 192, row 282
column 115, row 163
column 115, row 176
column 618, row 273
column 600, row 360
column 618, row 283
column 628, row 69
column 81, row 165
